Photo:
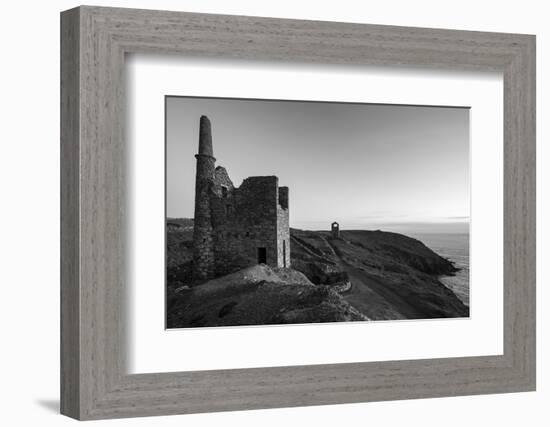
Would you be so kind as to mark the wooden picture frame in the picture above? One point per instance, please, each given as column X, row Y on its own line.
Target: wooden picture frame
column 94, row 41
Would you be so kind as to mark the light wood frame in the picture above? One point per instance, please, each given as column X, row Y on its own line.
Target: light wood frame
column 94, row 41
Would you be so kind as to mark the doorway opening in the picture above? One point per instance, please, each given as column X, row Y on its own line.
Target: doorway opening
column 262, row 256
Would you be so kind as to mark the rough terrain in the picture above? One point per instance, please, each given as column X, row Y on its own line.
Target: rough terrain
column 258, row 295
column 362, row 275
column 393, row 276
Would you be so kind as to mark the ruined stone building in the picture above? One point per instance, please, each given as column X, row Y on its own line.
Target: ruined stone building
column 335, row 230
column 236, row 227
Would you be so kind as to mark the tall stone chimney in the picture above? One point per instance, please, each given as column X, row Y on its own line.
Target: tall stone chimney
column 203, row 244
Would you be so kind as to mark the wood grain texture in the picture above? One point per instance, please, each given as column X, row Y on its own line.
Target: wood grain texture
column 94, row 380
column 70, row 315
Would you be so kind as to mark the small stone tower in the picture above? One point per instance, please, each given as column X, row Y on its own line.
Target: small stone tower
column 203, row 244
column 335, row 230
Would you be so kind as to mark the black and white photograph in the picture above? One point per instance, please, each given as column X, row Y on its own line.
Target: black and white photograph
column 292, row 212
column 279, row 213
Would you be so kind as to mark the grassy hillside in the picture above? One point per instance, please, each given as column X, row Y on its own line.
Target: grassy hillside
column 393, row 276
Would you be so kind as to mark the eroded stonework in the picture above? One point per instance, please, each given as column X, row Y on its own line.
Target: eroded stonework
column 236, row 227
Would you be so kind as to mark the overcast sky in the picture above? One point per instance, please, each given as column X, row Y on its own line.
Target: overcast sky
column 366, row 166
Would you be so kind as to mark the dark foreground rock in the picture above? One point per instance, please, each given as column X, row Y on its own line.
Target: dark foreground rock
column 258, row 295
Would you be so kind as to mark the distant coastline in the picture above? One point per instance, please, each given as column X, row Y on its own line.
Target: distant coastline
column 456, row 248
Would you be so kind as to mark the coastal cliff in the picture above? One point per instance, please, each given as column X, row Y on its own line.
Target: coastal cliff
column 361, row 275
column 393, row 276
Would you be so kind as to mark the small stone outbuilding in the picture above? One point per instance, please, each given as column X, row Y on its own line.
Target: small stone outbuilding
column 335, row 230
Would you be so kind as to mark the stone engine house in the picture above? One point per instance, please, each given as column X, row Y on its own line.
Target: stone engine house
column 236, row 227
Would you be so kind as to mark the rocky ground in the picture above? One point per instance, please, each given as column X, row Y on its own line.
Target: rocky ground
column 258, row 295
column 363, row 275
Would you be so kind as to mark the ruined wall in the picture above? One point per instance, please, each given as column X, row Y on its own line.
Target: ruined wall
column 283, row 230
column 236, row 227
column 245, row 220
column 221, row 179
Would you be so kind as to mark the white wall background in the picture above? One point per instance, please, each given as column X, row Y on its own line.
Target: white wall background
column 29, row 217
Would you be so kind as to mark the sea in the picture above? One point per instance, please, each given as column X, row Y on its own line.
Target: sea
column 455, row 247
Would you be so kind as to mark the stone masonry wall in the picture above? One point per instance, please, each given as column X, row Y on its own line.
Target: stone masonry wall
column 232, row 224
column 283, row 230
column 221, row 179
column 243, row 221
column 203, row 243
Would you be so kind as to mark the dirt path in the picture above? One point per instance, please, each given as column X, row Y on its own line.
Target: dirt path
column 369, row 295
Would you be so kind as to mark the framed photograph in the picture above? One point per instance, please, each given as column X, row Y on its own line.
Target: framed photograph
column 231, row 254
column 262, row 213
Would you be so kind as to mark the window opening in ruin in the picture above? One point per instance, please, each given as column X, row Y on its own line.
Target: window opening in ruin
column 224, row 191
column 284, row 253
column 228, row 209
